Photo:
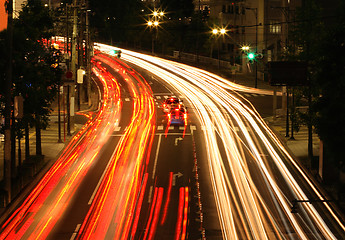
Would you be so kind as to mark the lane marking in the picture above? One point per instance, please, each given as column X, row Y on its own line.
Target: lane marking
column 75, row 232
column 156, row 157
column 150, row 194
column 192, row 129
column 178, row 139
column 174, row 177
column 101, row 178
column 157, row 134
column 127, row 99
column 158, row 97
column 160, row 128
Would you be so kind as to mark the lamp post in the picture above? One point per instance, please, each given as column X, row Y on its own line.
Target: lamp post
column 256, row 43
column 153, row 24
column 217, row 33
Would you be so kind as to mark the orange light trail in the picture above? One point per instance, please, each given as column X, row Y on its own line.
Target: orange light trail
column 34, row 219
column 167, row 200
column 114, row 210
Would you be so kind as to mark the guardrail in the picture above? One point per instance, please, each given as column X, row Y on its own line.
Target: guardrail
column 206, row 60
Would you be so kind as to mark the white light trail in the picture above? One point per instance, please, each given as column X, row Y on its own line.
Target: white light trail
column 253, row 185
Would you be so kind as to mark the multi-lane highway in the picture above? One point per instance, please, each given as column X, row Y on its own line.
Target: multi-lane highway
column 129, row 174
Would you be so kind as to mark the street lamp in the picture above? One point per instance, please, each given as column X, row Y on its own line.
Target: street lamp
column 153, row 24
column 217, row 32
column 245, row 48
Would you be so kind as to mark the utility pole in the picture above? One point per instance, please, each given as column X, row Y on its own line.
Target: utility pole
column 256, row 47
column 256, row 44
column 74, row 62
column 88, row 56
column 8, row 102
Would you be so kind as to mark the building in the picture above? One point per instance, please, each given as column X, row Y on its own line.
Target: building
column 262, row 25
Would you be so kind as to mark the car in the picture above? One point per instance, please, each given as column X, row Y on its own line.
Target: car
column 177, row 115
column 169, row 102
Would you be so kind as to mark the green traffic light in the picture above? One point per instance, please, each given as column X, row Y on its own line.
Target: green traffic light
column 251, row 56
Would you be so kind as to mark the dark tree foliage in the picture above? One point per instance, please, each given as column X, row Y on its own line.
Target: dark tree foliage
column 35, row 76
column 35, row 21
column 323, row 48
column 330, row 107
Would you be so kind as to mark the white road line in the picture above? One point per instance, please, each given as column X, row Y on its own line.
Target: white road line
column 157, row 134
column 100, row 180
column 158, row 97
column 117, row 129
column 181, row 128
column 127, row 99
column 171, row 128
column 156, row 157
column 174, row 134
column 160, row 128
column 150, row 194
column 75, row 232
column 192, row 128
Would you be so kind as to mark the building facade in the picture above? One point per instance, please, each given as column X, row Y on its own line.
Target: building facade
column 262, row 25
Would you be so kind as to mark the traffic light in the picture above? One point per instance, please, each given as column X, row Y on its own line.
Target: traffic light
column 251, row 57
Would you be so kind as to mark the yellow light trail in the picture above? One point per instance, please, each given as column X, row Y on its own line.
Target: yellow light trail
column 252, row 176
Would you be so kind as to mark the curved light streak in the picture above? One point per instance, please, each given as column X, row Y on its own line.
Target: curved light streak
column 40, row 211
column 114, row 210
column 250, row 204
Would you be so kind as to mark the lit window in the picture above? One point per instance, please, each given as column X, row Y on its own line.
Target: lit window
column 275, row 28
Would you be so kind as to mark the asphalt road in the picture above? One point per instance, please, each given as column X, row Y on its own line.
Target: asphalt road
column 131, row 175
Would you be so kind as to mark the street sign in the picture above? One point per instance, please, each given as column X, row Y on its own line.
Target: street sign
column 287, row 73
column 80, row 75
column 69, row 75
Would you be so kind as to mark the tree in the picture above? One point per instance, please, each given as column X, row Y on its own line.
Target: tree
column 306, row 36
column 329, row 107
column 35, row 76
